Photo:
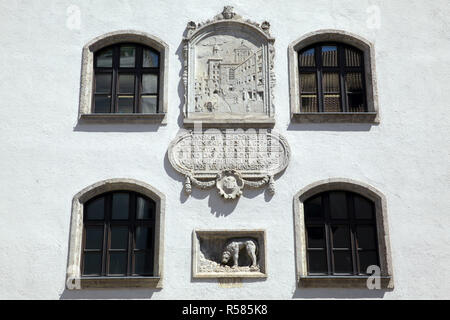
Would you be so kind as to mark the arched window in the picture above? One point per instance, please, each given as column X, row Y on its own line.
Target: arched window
column 331, row 78
column 118, row 235
column 341, row 237
column 126, row 79
column 341, row 230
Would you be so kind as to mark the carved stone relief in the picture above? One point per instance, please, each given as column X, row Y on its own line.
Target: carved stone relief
column 228, row 71
column 229, row 160
column 227, row 253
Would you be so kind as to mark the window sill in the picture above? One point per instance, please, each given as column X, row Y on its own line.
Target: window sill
column 341, row 282
column 121, row 282
column 336, row 117
column 124, row 117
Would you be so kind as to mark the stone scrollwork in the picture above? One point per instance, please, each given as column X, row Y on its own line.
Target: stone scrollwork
column 229, row 160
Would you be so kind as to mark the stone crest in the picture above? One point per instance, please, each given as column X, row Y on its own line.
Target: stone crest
column 228, row 71
column 229, row 159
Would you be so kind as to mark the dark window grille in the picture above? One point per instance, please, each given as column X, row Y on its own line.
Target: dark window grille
column 332, row 78
column 341, row 234
column 126, row 79
column 118, row 235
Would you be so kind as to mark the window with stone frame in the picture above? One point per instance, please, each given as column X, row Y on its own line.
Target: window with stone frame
column 124, row 79
column 332, row 78
column 342, row 235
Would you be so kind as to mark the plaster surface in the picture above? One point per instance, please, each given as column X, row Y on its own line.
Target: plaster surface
column 47, row 156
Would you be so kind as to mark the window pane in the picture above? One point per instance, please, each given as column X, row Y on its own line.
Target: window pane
column 353, row 81
column 316, row 237
column 308, row 93
column 119, row 237
column 355, row 92
column 317, row 261
column 313, row 208
column 95, row 209
column 126, row 83
column 366, row 259
column 149, row 83
column 118, row 263
column 341, row 236
column 150, row 59
column 120, row 206
column 126, row 104
column 308, row 83
column 356, row 102
column 105, row 58
column 330, row 84
column 329, row 56
column 343, row 262
column 102, row 104
column 92, row 263
column 338, row 205
column 306, row 58
column 143, row 237
column 103, row 83
column 143, row 263
column 366, row 237
column 363, row 208
column 127, row 54
column 94, row 238
column 149, row 104
column 352, row 58
column 332, row 103
column 144, row 209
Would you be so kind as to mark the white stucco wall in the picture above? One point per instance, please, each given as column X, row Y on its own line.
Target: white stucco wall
column 46, row 157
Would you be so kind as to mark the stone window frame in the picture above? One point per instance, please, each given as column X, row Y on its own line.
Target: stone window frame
column 365, row 190
column 74, row 280
column 87, row 78
column 336, row 36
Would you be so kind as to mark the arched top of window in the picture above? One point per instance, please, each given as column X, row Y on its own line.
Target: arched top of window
column 332, row 78
column 124, row 78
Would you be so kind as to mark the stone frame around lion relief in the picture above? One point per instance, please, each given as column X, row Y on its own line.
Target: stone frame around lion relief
column 208, row 247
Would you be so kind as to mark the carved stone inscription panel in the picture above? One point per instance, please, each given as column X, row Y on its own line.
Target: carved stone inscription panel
column 229, row 253
column 229, row 159
column 228, row 71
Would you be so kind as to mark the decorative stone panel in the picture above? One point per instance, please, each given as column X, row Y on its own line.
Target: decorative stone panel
column 229, row 159
column 228, row 72
column 229, row 254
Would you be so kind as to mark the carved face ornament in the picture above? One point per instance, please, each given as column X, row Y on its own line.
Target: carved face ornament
column 230, row 184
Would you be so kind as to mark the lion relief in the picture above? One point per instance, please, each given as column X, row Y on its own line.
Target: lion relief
column 234, row 246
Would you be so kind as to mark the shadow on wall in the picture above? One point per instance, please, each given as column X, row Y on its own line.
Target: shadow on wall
column 337, row 293
column 342, row 127
column 180, row 87
column 125, row 293
column 116, row 127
